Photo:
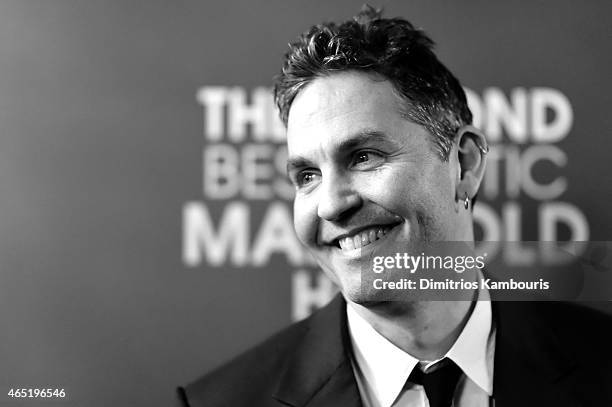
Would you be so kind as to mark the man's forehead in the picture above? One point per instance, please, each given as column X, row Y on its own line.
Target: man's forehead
column 348, row 93
column 342, row 108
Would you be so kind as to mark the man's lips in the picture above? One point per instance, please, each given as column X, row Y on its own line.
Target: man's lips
column 362, row 236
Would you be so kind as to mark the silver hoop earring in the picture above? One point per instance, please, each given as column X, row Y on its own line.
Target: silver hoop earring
column 483, row 149
column 466, row 202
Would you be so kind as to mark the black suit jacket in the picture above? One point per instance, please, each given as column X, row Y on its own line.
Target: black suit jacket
column 546, row 354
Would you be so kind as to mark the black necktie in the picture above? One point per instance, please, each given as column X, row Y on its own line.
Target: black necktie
column 439, row 384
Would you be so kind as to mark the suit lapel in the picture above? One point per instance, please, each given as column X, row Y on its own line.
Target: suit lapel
column 320, row 373
column 531, row 367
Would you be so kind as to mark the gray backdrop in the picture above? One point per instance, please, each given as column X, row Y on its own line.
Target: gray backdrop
column 102, row 139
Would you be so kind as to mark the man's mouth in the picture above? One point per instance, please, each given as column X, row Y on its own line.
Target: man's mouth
column 363, row 237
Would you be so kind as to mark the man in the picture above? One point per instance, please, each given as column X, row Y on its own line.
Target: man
column 382, row 151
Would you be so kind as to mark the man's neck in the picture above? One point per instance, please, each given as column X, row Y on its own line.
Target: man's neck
column 425, row 330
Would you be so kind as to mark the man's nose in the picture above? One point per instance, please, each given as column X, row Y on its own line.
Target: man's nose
column 337, row 198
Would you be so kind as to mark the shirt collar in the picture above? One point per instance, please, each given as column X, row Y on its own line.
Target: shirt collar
column 385, row 367
column 473, row 350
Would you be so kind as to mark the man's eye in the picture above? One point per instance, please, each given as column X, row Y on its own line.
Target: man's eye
column 367, row 159
column 305, row 178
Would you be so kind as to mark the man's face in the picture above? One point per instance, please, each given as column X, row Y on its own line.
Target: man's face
column 365, row 176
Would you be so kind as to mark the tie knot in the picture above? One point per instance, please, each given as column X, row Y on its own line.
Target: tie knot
column 439, row 382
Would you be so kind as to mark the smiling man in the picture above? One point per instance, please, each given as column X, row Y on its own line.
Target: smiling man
column 365, row 175
column 382, row 154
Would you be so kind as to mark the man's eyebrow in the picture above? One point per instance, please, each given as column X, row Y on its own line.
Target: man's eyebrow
column 366, row 136
column 297, row 162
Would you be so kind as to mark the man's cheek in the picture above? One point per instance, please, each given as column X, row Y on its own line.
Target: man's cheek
column 386, row 185
column 305, row 222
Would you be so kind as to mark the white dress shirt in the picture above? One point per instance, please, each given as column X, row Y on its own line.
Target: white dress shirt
column 382, row 369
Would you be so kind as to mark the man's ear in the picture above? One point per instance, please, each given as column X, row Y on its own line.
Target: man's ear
column 472, row 156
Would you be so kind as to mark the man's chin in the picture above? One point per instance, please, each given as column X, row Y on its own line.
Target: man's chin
column 373, row 299
column 363, row 297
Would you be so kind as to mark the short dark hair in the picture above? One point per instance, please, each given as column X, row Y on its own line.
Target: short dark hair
column 391, row 48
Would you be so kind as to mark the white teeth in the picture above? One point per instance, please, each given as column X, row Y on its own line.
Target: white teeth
column 347, row 244
column 363, row 238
